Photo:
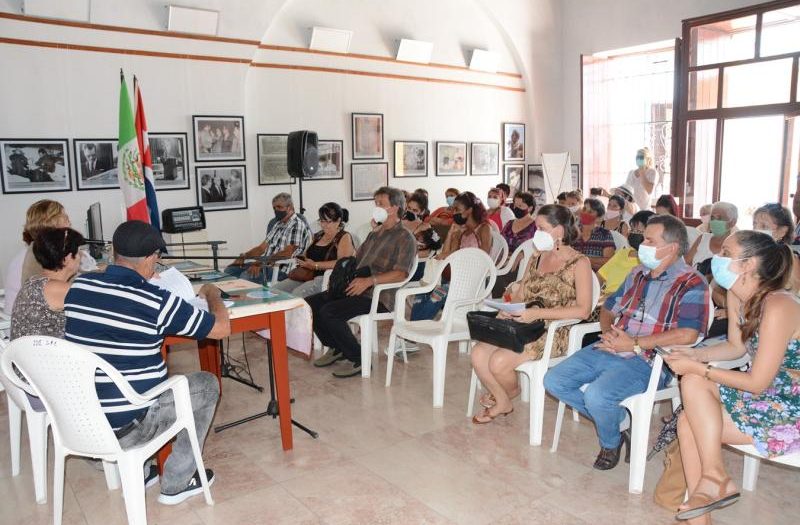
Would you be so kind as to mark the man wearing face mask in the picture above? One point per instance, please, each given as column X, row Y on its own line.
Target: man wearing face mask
column 663, row 302
column 389, row 253
column 722, row 223
column 613, row 273
column 288, row 235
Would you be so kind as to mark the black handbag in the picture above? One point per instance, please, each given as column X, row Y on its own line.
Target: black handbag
column 342, row 275
column 505, row 333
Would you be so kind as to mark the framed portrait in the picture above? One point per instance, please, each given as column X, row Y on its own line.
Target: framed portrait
column 514, row 175
column 366, row 178
column 330, row 160
column 410, row 158
column 367, row 136
column 221, row 187
column 536, row 185
column 451, row 158
column 218, row 138
column 96, row 164
column 272, row 160
column 35, row 165
column 170, row 163
column 575, row 171
column 513, row 141
column 485, row 158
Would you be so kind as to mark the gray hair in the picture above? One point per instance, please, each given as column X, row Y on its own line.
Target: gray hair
column 674, row 231
column 133, row 261
column 284, row 198
column 396, row 198
column 730, row 210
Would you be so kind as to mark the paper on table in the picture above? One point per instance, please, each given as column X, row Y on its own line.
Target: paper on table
column 174, row 281
column 505, row 307
column 202, row 304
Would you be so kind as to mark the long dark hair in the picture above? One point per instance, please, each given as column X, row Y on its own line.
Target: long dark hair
column 52, row 245
column 781, row 216
column 469, row 200
column 774, row 270
column 558, row 215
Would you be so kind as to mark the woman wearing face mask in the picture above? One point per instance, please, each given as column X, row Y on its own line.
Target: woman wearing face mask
column 594, row 241
column 559, row 277
column 760, row 407
column 497, row 213
column 642, row 180
column 721, row 224
column 427, row 238
column 776, row 221
column 574, row 202
column 613, row 273
column 444, row 216
column 613, row 220
column 523, row 226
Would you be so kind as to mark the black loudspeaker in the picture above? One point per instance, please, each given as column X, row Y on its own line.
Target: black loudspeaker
column 302, row 156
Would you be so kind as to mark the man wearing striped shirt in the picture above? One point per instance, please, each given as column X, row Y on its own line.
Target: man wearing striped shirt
column 124, row 319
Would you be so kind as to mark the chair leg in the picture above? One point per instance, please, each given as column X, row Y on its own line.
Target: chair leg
column 198, row 460
column 374, row 326
column 473, row 389
column 58, row 484
column 130, row 471
column 557, row 430
column 536, row 407
column 390, row 357
column 576, row 417
column 750, row 477
column 14, row 431
column 366, row 347
column 37, row 435
column 463, row 347
column 439, row 368
column 524, row 387
column 640, row 432
column 112, row 475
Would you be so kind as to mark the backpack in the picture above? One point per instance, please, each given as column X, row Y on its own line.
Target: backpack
column 343, row 273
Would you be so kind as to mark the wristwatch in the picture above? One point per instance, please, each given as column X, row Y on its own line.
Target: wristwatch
column 636, row 348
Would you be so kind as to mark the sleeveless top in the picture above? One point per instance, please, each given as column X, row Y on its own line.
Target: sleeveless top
column 32, row 315
column 318, row 253
column 514, row 239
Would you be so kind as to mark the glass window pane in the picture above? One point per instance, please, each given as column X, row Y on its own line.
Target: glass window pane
column 701, row 138
column 703, row 89
column 723, row 41
column 780, row 31
column 752, row 162
column 759, row 83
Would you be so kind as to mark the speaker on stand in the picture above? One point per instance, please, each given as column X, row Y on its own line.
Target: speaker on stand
column 302, row 158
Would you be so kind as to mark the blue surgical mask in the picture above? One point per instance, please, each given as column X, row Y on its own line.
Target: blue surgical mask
column 721, row 270
column 450, row 200
column 640, row 162
column 647, row 256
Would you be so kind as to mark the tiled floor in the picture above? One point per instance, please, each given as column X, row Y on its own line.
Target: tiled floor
column 384, row 455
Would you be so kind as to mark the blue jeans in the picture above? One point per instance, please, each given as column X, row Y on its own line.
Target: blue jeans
column 241, row 271
column 610, row 378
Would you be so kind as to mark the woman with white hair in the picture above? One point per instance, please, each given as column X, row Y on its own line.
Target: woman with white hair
column 643, row 179
column 722, row 223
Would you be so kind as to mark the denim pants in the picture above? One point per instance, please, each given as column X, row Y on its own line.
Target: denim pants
column 241, row 271
column 610, row 378
column 180, row 466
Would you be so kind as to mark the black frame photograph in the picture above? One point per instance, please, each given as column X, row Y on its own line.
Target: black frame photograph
column 575, row 172
column 536, row 184
column 96, row 164
column 272, row 159
column 331, row 160
column 513, row 150
column 484, row 158
column 410, row 158
column 366, row 178
column 170, row 163
column 219, row 191
column 210, row 143
column 367, row 136
column 515, row 179
column 447, row 153
column 35, row 165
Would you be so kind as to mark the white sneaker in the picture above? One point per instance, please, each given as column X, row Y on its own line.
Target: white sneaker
column 410, row 349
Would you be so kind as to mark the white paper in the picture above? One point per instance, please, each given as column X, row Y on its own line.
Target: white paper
column 175, row 282
column 202, row 304
column 505, row 307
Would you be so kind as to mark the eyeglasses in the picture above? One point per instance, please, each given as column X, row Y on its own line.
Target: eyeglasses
column 325, row 221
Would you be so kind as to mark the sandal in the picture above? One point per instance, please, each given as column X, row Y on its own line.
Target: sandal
column 489, row 417
column 701, row 503
column 488, row 400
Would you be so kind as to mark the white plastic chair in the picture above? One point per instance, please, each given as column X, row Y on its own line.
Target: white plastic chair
column 499, row 251
column 473, row 274
column 620, row 241
column 534, row 371
column 524, row 251
column 62, row 374
column 752, row 462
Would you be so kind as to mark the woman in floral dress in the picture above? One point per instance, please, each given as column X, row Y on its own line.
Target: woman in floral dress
column 759, row 407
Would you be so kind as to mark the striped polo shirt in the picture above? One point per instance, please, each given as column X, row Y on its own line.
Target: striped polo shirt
column 124, row 319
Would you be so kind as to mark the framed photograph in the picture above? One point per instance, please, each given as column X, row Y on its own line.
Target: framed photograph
column 536, row 184
column 514, row 175
column 576, row 175
column 366, row 178
column 410, row 158
column 221, row 187
column 218, row 138
column 367, row 136
column 330, row 160
column 513, row 141
column 485, row 158
column 272, row 160
column 451, row 158
column 35, row 165
column 170, row 163
column 96, row 164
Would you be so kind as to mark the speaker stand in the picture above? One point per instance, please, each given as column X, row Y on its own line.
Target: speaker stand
column 300, row 182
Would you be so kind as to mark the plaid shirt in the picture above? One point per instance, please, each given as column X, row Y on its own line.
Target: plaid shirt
column 599, row 240
column 678, row 298
column 387, row 250
column 281, row 234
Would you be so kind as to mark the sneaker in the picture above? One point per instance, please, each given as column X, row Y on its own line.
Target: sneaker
column 327, row 359
column 192, row 489
column 152, row 477
column 348, row 370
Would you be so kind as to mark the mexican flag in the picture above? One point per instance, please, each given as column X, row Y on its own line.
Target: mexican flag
column 131, row 179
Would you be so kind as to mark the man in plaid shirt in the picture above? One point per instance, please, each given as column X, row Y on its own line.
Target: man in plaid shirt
column 663, row 302
column 288, row 235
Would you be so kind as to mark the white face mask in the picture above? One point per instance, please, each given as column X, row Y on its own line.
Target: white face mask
column 575, row 209
column 493, row 203
column 379, row 215
column 766, row 232
column 543, row 241
column 612, row 214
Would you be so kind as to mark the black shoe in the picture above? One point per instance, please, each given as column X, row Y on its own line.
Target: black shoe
column 348, row 371
column 192, row 489
column 609, row 457
column 152, row 477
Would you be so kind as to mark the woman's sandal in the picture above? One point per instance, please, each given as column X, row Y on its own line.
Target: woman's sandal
column 488, row 400
column 488, row 416
column 701, row 502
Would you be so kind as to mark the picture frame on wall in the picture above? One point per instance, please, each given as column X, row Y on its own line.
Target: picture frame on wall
column 272, row 167
column 331, row 157
column 484, row 158
column 35, row 165
column 575, row 172
column 218, row 138
column 451, row 159
column 410, row 158
column 513, row 141
column 536, row 185
column 170, row 162
column 222, row 187
column 366, row 178
column 367, row 131
column 514, row 176
column 96, row 164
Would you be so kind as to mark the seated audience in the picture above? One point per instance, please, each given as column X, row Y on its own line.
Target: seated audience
column 427, row 239
column 722, row 222
column 286, row 237
column 705, row 216
column 594, row 241
column 612, row 220
column 420, row 196
column 523, row 226
column 663, row 302
column 497, row 211
column 613, row 273
column 328, row 245
column 759, row 407
column 127, row 330
column 388, row 252
column 561, row 199
column 626, row 192
column 444, row 216
column 666, row 205
column 574, row 202
column 776, row 221
column 506, row 189
column 561, row 279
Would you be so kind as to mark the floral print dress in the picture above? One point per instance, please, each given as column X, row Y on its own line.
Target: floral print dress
column 772, row 418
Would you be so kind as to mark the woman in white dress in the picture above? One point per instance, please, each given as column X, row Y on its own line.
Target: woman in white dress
column 643, row 179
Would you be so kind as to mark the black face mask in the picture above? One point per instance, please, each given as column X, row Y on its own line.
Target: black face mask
column 410, row 216
column 459, row 219
column 519, row 212
column 635, row 239
column 280, row 214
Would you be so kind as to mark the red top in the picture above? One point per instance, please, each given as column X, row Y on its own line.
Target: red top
column 443, row 214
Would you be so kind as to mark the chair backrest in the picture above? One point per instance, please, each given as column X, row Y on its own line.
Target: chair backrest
column 17, row 396
column 62, row 374
column 596, row 288
column 499, row 251
column 472, row 276
column 620, row 241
